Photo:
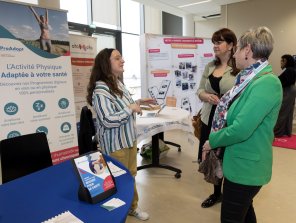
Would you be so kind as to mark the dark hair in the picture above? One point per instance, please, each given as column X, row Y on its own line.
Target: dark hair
column 227, row 35
column 102, row 71
column 290, row 62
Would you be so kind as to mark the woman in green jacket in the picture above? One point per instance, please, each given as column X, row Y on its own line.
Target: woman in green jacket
column 243, row 124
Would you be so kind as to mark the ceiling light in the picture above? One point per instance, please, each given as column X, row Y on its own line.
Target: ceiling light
column 196, row 3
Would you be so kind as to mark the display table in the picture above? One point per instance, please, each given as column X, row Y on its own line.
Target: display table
column 169, row 118
column 51, row 191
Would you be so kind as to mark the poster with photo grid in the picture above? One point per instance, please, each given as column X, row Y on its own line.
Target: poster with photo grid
column 173, row 66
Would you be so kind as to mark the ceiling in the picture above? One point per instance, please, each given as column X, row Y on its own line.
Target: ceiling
column 205, row 9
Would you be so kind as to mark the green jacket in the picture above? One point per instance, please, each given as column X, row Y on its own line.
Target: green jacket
column 249, row 135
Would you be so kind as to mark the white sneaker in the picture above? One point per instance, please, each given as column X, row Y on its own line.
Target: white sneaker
column 142, row 215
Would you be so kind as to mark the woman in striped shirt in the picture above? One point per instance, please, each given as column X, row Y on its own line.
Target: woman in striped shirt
column 115, row 115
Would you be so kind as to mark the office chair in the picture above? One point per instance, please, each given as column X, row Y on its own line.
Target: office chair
column 87, row 131
column 23, row 155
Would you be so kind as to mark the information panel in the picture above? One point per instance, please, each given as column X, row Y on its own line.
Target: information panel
column 173, row 66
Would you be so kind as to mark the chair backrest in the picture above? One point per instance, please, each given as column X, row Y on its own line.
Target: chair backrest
column 87, row 131
column 23, row 155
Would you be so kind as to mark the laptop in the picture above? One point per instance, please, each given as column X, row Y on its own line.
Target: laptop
column 153, row 114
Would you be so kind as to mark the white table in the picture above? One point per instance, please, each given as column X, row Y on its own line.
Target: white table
column 168, row 119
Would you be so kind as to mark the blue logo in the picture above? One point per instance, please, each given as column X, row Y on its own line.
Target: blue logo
column 63, row 103
column 42, row 129
column 66, row 127
column 39, row 106
column 13, row 134
column 11, row 108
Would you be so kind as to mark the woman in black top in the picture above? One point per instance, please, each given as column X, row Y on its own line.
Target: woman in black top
column 218, row 77
column 284, row 123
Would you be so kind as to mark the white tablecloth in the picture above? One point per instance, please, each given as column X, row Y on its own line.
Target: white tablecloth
column 168, row 119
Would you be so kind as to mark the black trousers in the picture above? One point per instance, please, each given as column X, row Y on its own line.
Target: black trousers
column 205, row 132
column 237, row 203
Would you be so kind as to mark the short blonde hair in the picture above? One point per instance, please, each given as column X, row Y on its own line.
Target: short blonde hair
column 261, row 41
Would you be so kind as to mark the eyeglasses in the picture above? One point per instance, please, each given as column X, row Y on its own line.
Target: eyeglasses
column 218, row 42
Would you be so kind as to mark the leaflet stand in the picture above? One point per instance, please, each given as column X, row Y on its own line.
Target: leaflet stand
column 84, row 195
column 96, row 181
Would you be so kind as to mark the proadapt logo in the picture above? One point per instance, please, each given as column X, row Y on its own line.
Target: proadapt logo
column 11, row 49
column 82, row 47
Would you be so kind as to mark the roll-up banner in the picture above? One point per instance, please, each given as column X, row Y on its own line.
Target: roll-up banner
column 83, row 52
column 36, row 78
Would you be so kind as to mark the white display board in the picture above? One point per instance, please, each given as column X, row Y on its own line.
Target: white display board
column 173, row 66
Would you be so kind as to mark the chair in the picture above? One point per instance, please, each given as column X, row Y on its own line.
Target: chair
column 87, row 131
column 23, row 155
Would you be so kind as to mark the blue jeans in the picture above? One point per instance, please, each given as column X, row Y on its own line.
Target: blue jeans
column 237, row 203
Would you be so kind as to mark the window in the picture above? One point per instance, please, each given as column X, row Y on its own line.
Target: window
column 104, row 41
column 106, row 14
column 131, row 26
column 130, row 17
column 131, row 55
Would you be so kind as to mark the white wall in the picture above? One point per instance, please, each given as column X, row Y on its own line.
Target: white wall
column 153, row 17
column 206, row 28
column 279, row 16
column 153, row 20
column 188, row 25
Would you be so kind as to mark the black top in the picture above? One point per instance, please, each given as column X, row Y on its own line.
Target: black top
column 288, row 77
column 214, row 81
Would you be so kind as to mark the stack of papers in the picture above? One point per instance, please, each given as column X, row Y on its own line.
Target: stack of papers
column 112, row 204
column 115, row 170
column 65, row 217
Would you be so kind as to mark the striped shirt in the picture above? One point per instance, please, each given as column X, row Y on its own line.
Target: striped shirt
column 115, row 122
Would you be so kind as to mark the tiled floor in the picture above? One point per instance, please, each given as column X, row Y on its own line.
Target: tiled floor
column 171, row 200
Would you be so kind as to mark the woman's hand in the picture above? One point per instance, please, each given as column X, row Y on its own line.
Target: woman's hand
column 147, row 101
column 213, row 99
column 136, row 108
column 209, row 97
column 206, row 149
